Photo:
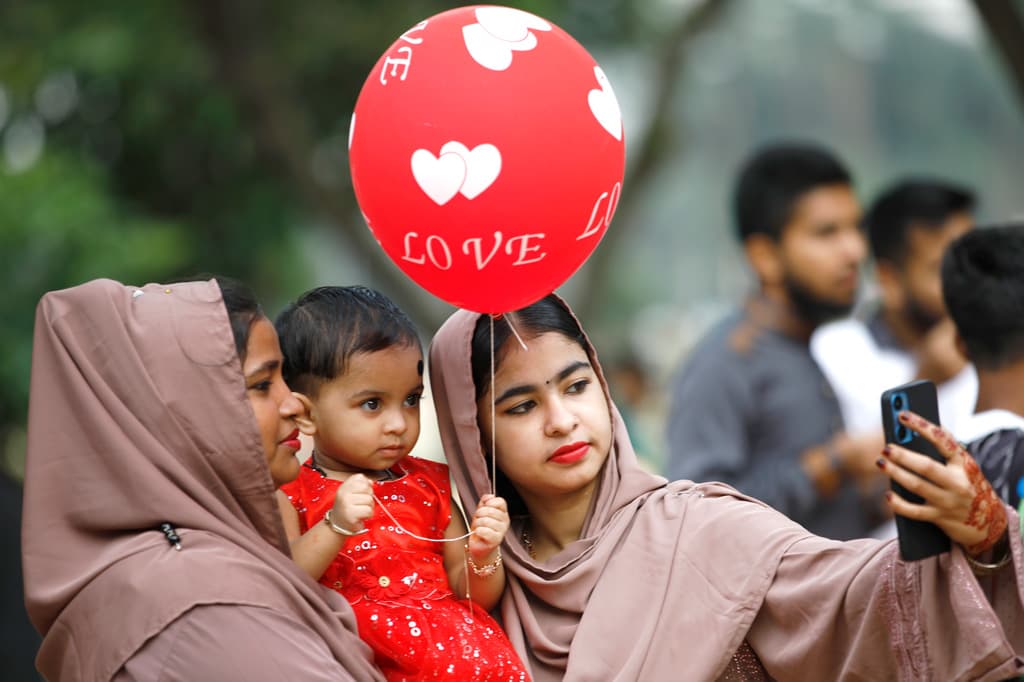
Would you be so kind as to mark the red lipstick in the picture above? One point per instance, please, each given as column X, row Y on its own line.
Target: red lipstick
column 568, row 454
column 292, row 441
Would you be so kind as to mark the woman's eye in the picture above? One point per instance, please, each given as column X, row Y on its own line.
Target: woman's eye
column 578, row 386
column 372, row 404
column 262, row 386
column 521, row 408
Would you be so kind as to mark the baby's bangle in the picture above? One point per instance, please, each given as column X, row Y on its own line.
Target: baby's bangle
column 487, row 570
column 338, row 529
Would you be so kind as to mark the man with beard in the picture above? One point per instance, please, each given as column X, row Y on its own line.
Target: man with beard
column 751, row 407
column 907, row 333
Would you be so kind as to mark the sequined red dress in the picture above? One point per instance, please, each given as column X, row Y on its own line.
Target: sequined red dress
column 397, row 585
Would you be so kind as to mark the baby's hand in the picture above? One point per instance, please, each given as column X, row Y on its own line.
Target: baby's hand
column 490, row 523
column 353, row 503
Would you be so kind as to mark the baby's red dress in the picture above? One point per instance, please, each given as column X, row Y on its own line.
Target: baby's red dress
column 397, row 585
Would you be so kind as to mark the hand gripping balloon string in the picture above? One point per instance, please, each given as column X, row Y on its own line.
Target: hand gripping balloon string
column 494, row 465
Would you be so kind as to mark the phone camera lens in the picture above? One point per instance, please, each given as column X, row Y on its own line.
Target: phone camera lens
column 897, row 402
column 902, row 433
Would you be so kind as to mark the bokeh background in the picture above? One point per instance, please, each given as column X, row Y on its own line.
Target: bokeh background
column 145, row 141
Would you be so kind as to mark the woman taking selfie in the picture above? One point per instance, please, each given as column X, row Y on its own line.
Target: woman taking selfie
column 617, row 574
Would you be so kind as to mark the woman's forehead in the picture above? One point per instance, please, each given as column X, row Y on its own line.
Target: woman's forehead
column 262, row 346
column 544, row 356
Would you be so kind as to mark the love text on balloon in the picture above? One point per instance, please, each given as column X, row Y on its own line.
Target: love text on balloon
column 521, row 249
column 399, row 66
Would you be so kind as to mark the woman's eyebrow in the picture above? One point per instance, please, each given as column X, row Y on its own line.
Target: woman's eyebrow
column 571, row 369
column 268, row 366
column 528, row 388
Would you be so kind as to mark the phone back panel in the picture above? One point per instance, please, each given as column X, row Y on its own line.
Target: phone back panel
column 918, row 539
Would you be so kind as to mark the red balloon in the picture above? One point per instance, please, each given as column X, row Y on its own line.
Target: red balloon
column 487, row 156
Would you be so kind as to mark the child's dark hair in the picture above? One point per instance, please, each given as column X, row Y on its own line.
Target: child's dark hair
column 546, row 315
column 983, row 285
column 916, row 202
column 243, row 309
column 774, row 179
column 322, row 330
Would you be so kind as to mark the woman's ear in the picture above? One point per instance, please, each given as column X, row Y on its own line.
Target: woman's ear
column 305, row 419
column 763, row 254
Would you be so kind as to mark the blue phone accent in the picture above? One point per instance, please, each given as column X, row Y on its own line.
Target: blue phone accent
column 898, row 403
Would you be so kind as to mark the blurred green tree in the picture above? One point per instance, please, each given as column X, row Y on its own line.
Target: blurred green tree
column 157, row 140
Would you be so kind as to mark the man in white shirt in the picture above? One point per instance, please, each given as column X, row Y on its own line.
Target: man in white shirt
column 906, row 334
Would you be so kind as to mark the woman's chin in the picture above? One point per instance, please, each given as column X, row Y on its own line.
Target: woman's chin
column 285, row 473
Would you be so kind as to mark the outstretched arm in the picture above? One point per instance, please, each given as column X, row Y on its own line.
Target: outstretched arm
column 855, row 610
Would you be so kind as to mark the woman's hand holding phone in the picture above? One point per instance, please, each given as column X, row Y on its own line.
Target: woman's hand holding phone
column 957, row 497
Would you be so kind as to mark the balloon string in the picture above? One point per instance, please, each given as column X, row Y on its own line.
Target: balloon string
column 403, row 529
column 400, row 528
column 515, row 333
column 494, row 459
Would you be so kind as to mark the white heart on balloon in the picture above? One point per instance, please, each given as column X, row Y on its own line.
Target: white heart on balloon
column 605, row 106
column 441, row 177
column 486, row 50
column 508, row 24
column 500, row 31
column 483, row 165
column 524, row 45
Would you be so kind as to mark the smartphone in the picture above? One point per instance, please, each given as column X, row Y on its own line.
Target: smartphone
column 918, row 539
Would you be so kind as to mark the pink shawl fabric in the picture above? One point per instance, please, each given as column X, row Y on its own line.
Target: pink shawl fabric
column 668, row 580
column 138, row 415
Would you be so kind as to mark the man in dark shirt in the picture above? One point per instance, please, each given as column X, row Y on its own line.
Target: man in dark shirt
column 751, row 407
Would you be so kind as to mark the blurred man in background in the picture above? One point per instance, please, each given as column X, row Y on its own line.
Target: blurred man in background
column 906, row 334
column 751, row 407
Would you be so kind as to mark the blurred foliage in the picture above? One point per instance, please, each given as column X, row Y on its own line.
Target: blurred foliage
column 151, row 141
column 61, row 226
column 145, row 141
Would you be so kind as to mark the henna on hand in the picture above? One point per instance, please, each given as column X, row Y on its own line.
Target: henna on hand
column 986, row 511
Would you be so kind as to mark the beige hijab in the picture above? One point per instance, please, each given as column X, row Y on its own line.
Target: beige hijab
column 667, row 579
column 613, row 599
column 138, row 415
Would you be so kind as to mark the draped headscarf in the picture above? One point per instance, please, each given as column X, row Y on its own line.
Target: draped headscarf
column 614, row 598
column 671, row 580
column 138, row 415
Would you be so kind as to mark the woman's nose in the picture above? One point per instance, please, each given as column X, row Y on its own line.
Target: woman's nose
column 560, row 419
column 290, row 406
